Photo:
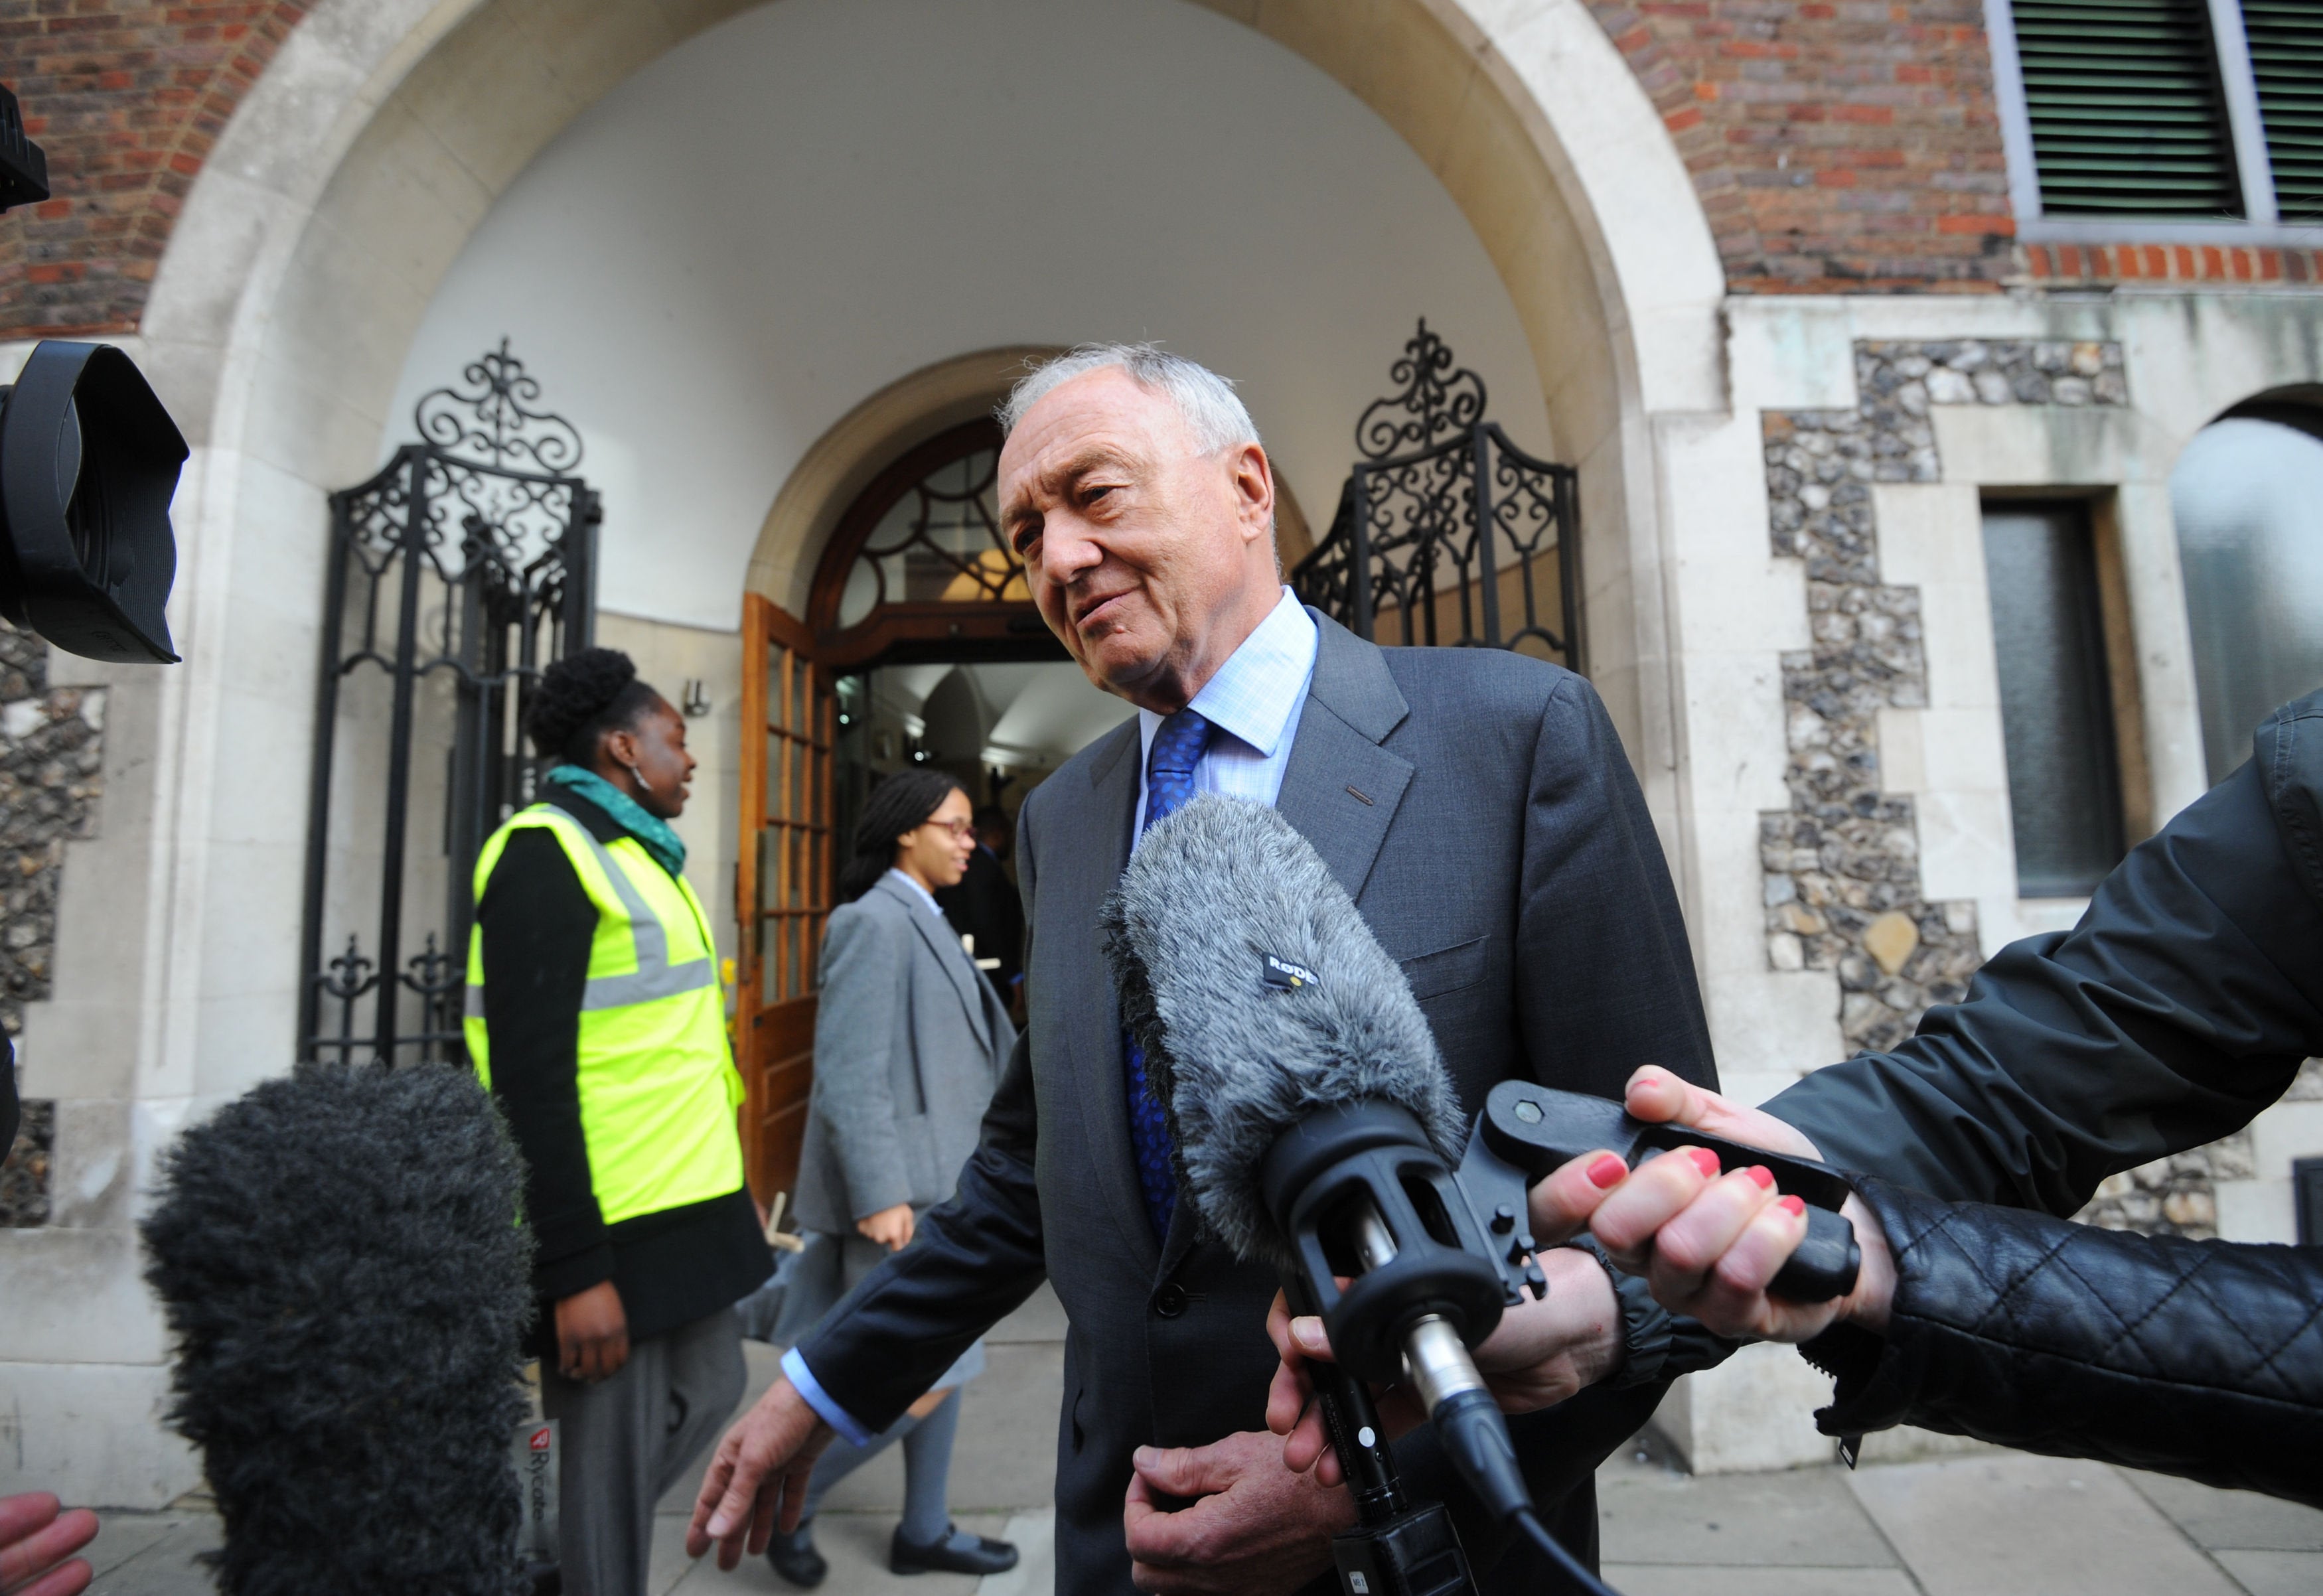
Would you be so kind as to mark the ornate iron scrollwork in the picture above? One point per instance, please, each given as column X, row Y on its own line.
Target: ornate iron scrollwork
column 1436, row 399
column 1444, row 520
column 456, row 573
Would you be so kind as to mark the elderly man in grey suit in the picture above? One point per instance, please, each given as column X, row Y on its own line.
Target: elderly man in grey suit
column 1476, row 806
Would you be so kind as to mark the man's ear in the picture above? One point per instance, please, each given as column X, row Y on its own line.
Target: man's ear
column 1252, row 474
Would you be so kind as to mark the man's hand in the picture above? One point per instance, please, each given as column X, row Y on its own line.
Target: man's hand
column 890, row 1227
column 758, row 1477
column 1254, row 1525
column 1708, row 1243
column 592, row 1334
column 1539, row 1354
column 35, row 1542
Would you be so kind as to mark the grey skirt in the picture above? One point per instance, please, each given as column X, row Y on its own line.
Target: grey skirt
column 809, row 1284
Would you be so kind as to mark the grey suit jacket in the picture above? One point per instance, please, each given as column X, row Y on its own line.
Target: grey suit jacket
column 1479, row 809
column 909, row 1042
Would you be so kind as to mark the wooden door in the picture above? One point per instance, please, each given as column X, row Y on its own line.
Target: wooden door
column 783, row 883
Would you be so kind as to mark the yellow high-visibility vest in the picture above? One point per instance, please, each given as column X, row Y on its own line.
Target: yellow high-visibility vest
column 658, row 1084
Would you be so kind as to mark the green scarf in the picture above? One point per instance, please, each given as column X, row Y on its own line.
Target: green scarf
column 652, row 832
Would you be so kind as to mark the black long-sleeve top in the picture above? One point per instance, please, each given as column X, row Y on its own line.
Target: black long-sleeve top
column 671, row 1268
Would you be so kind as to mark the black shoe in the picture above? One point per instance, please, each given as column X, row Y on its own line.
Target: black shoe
column 955, row 1554
column 794, row 1557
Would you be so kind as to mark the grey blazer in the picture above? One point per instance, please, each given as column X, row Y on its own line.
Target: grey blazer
column 909, row 1042
column 1479, row 811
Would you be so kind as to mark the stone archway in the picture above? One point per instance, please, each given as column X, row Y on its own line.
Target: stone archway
column 320, row 228
column 355, row 168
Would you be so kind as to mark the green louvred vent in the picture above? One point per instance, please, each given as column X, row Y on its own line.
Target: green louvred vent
column 2286, row 48
column 2127, row 113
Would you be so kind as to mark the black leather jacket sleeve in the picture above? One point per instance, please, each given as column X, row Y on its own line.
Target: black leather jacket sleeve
column 2197, row 1358
column 2178, row 1008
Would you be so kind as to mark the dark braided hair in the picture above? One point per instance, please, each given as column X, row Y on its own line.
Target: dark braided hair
column 581, row 698
column 902, row 800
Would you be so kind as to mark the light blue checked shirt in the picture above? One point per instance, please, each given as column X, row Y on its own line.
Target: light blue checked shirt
column 1255, row 701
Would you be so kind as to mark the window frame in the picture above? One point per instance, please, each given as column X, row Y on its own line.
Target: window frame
column 2124, row 774
column 2261, row 223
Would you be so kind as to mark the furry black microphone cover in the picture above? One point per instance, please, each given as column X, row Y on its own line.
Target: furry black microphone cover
column 340, row 1257
column 1260, row 995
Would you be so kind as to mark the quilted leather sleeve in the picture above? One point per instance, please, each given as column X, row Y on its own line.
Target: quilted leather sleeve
column 2197, row 1358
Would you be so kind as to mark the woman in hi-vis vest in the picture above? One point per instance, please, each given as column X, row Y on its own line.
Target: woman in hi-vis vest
column 910, row 1040
column 595, row 1015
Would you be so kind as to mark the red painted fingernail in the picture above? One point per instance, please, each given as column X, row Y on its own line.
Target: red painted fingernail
column 1793, row 1206
column 1703, row 1160
column 1607, row 1171
column 1763, row 1176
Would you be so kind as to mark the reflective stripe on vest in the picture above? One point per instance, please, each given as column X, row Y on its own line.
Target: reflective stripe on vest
column 654, row 976
column 652, row 1069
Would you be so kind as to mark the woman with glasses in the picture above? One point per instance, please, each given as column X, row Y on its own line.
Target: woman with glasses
column 909, row 1042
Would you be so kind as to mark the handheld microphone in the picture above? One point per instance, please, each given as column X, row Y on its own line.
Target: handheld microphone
column 341, row 1260
column 1315, row 1125
column 1318, row 1129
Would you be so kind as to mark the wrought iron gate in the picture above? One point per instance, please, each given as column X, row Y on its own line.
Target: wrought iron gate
column 1445, row 526
column 456, row 573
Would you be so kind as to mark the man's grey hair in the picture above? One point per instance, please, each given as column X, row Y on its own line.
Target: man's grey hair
column 1215, row 417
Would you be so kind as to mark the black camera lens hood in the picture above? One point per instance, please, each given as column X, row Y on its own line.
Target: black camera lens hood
column 102, row 597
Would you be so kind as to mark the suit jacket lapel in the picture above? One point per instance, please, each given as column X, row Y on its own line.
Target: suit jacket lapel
column 1094, row 824
column 937, row 933
column 1341, row 789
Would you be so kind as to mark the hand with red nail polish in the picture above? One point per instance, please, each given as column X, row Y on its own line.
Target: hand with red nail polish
column 1707, row 1241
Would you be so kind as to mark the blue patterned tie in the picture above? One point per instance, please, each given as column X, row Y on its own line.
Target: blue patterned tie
column 1178, row 746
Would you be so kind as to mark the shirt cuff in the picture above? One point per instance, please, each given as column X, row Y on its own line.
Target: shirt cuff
column 802, row 1378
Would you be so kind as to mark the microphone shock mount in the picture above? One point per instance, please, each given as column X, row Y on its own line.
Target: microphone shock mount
column 1432, row 1256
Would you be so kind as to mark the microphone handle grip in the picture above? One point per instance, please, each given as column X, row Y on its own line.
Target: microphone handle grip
column 1349, row 1415
column 1825, row 1263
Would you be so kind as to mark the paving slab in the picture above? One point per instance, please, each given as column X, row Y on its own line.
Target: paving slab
column 1799, row 1519
column 855, row 1543
column 1005, row 1457
column 166, row 1565
column 2275, row 1573
column 2240, row 1520
column 2034, row 1526
column 122, row 1538
column 1670, row 1579
column 1035, row 1535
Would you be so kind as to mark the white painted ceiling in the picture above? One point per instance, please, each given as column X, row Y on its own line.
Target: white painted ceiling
column 1036, row 715
column 749, row 237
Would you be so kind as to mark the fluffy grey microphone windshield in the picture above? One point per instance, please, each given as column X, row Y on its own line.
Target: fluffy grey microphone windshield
column 1259, row 996
column 340, row 1259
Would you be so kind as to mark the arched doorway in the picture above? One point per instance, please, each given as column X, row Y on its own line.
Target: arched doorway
column 330, row 217
column 921, row 647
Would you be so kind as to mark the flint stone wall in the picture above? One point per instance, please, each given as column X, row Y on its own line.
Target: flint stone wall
column 1840, row 866
column 51, row 752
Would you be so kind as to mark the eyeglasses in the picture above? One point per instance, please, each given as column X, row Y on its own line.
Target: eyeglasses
column 958, row 829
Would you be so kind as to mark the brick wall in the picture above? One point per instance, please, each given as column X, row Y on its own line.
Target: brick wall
column 126, row 99
column 1837, row 147
column 1848, row 145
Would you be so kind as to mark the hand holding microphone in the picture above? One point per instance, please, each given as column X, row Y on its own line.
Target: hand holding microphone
column 1712, row 1243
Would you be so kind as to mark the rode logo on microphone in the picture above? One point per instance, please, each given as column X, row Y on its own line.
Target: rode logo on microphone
column 1284, row 975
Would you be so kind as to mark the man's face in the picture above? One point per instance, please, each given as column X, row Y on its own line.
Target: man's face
column 1148, row 560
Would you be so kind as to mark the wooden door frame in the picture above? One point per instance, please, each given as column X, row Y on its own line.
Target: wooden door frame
column 764, row 1035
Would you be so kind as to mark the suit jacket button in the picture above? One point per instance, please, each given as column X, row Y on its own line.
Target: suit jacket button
column 1170, row 1300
